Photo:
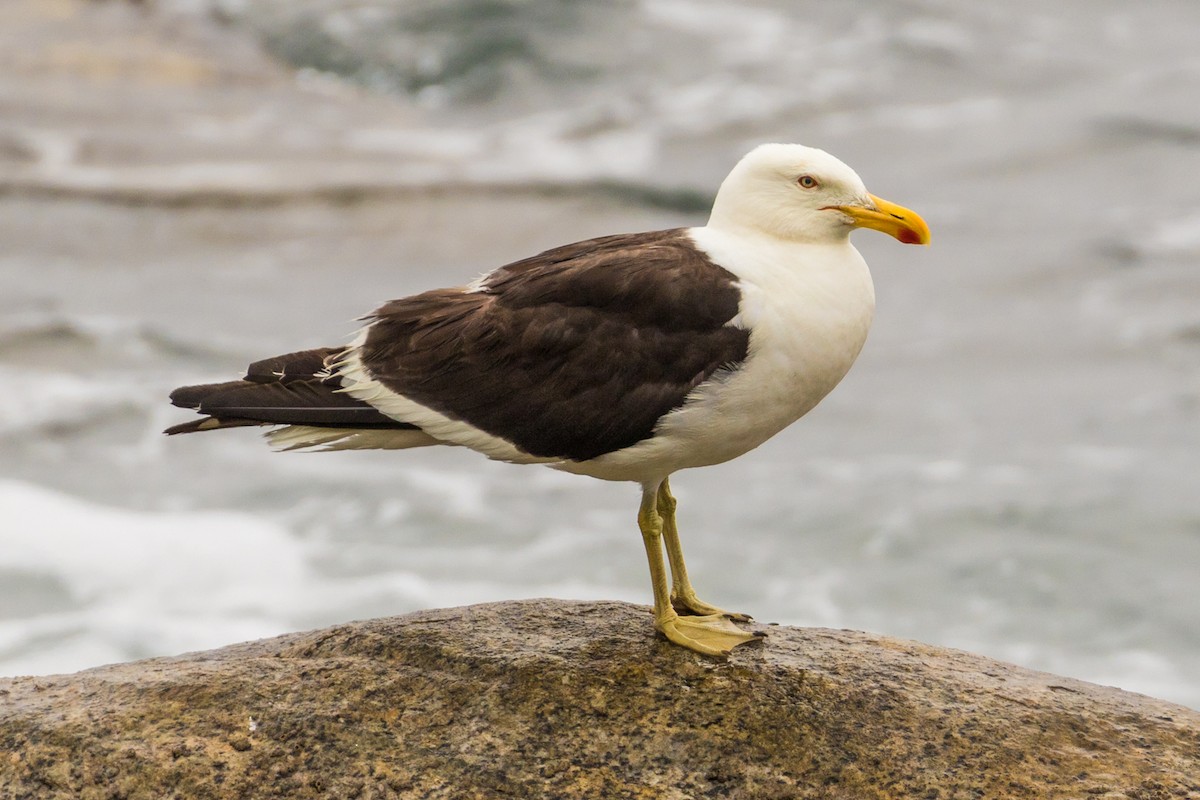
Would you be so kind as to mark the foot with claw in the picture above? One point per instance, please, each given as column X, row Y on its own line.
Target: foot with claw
column 713, row 635
column 693, row 606
column 679, row 614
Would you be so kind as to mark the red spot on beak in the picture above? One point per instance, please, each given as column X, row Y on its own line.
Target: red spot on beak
column 908, row 236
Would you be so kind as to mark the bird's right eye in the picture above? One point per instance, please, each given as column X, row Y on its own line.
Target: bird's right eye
column 808, row 182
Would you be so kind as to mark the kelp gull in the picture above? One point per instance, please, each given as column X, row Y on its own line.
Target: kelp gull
column 627, row 357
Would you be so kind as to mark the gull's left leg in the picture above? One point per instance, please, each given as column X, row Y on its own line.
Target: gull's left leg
column 683, row 596
column 712, row 635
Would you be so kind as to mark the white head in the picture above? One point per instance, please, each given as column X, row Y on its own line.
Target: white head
column 799, row 193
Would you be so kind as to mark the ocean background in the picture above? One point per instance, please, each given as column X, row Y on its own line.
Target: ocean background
column 1012, row 467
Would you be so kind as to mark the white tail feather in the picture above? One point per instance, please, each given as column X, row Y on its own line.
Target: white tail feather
column 300, row 437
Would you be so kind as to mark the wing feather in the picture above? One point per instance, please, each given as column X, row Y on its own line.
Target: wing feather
column 571, row 354
column 292, row 389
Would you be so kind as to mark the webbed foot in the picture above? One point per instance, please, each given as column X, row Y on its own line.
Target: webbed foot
column 693, row 606
column 712, row 635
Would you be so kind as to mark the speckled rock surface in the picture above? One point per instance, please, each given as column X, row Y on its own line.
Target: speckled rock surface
column 556, row 699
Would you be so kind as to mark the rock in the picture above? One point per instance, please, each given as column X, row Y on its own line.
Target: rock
column 557, row 699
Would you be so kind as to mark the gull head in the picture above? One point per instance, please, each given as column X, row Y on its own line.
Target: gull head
column 803, row 194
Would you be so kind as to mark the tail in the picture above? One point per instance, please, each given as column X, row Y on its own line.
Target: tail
column 299, row 390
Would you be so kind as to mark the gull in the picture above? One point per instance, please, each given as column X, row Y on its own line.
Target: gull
column 625, row 358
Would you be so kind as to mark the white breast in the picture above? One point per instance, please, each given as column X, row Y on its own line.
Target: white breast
column 808, row 308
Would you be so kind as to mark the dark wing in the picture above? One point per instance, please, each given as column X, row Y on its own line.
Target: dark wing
column 573, row 353
column 292, row 389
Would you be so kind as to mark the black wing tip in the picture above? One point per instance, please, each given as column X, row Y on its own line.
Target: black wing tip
column 302, row 365
column 192, row 397
column 312, row 402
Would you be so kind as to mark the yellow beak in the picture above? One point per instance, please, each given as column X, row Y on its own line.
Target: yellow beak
column 894, row 220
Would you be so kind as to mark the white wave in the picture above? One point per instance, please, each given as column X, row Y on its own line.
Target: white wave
column 98, row 550
column 27, row 336
column 138, row 582
column 86, row 584
column 115, row 584
column 35, row 399
column 1174, row 237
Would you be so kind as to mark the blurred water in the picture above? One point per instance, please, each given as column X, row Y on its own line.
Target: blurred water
column 1011, row 468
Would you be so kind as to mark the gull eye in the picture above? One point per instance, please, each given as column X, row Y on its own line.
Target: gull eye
column 808, row 182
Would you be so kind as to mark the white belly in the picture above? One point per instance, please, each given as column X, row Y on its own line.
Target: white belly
column 808, row 310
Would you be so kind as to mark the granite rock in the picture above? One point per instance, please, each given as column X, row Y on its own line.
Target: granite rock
column 557, row 699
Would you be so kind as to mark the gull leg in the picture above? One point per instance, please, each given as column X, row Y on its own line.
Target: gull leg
column 711, row 634
column 683, row 596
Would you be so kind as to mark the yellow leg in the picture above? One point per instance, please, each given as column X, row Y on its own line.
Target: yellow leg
column 711, row 634
column 683, row 596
